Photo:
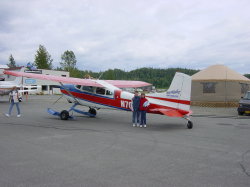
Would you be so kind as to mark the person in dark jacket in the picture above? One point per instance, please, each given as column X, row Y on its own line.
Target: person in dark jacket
column 143, row 110
column 135, row 109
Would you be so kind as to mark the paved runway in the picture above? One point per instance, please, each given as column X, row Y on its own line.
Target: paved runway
column 41, row 150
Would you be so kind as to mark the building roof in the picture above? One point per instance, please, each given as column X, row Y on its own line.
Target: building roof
column 219, row 73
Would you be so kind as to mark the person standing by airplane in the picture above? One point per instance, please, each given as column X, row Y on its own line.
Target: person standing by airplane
column 135, row 109
column 14, row 99
column 143, row 109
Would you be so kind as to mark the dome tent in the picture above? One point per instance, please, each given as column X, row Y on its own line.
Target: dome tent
column 218, row 85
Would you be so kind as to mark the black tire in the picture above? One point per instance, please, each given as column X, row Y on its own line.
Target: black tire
column 190, row 125
column 240, row 113
column 64, row 115
column 92, row 111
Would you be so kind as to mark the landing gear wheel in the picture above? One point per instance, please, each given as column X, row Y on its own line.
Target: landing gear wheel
column 92, row 111
column 190, row 125
column 64, row 115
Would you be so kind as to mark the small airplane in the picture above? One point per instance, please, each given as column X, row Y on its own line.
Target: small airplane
column 97, row 94
column 7, row 86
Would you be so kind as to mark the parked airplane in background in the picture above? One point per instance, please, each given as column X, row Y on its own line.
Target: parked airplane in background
column 7, row 86
column 97, row 94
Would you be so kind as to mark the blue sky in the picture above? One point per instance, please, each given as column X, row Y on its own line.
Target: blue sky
column 128, row 34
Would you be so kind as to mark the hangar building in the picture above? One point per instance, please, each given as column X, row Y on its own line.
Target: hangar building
column 218, row 86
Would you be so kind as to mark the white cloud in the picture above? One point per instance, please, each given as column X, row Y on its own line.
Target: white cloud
column 129, row 34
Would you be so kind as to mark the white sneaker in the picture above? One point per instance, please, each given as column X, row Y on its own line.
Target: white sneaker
column 133, row 125
column 137, row 125
column 19, row 115
column 145, row 126
column 140, row 125
column 7, row 115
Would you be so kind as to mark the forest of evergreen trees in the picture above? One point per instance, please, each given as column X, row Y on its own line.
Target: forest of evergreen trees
column 160, row 78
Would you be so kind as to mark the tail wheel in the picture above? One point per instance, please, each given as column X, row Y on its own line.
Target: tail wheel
column 190, row 125
column 92, row 111
column 64, row 115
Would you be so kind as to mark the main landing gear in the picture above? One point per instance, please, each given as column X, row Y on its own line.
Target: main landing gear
column 64, row 114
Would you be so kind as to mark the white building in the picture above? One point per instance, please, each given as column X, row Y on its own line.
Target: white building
column 46, row 87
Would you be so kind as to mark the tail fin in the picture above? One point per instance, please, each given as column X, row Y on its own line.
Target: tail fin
column 179, row 92
column 180, row 87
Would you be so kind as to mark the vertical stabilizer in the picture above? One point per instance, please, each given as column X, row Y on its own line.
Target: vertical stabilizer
column 179, row 92
column 19, row 80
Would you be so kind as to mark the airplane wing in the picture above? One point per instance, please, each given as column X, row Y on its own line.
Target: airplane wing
column 77, row 81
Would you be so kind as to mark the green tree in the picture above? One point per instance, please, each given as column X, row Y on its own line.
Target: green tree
column 12, row 63
column 68, row 62
column 43, row 59
column 247, row 75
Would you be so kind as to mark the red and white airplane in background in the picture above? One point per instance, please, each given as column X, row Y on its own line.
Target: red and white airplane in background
column 97, row 94
column 7, row 86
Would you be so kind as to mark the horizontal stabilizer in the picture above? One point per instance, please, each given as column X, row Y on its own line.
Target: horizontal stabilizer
column 171, row 112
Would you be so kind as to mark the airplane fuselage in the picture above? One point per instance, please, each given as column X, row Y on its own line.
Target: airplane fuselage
column 101, row 98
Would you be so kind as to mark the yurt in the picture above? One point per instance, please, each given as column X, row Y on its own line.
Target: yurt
column 218, row 86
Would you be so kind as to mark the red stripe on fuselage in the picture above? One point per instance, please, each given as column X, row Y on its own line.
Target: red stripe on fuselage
column 185, row 102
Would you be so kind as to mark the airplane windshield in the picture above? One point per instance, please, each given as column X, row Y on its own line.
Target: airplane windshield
column 78, row 86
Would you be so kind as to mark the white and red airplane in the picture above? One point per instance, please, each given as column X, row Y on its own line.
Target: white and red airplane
column 97, row 94
column 7, row 86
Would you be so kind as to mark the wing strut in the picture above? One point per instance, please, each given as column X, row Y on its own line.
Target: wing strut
column 76, row 100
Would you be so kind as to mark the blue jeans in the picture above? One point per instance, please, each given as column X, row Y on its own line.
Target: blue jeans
column 17, row 107
column 143, row 117
column 136, row 116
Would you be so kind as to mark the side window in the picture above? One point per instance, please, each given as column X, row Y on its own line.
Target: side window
column 247, row 96
column 109, row 93
column 78, row 86
column 87, row 88
column 100, row 91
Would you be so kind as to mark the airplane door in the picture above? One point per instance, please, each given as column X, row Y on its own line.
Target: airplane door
column 118, row 94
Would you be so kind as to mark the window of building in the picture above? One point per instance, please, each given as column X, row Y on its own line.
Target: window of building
column 63, row 75
column 244, row 88
column 209, row 87
column 44, row 88
column 33, row 87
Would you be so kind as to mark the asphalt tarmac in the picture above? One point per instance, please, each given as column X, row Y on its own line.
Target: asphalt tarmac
column 38, row 149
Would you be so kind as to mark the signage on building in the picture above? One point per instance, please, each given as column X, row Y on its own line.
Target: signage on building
column 30, row 81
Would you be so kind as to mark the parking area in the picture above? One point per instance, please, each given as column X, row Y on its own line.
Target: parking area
column 41, row 150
